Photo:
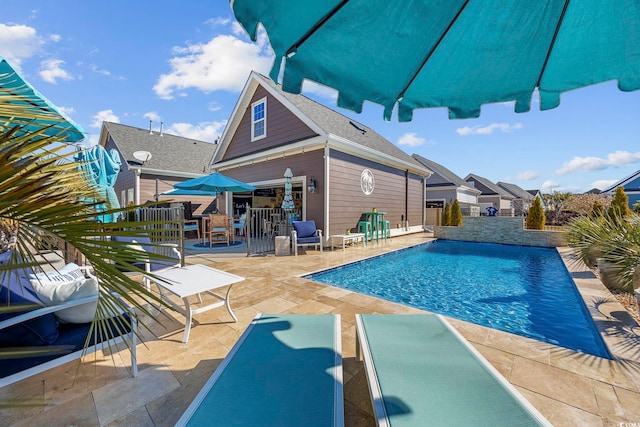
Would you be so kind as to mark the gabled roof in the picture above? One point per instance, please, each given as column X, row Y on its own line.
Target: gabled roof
column 449, row 177
column 624, row 183
column 492, row 189
column 170, row 154
column 594, row 191
column 515, row 191
column 337, row 130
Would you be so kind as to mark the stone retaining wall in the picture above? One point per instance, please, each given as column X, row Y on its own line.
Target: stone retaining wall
column 497, row 229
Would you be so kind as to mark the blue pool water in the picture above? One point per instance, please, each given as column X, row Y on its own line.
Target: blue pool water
column 523, row 290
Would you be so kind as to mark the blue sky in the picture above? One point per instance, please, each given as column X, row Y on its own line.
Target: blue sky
column 185, row 63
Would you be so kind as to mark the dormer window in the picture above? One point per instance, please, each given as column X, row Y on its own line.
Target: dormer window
column 259, row 119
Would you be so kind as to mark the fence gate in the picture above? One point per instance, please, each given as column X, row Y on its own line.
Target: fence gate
column 264, row 224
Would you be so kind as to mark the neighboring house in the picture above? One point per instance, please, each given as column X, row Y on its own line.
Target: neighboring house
column 353, row 168
column 538, row 194
column 631, row 185
column 522, row 199
column 445, row 186
column 491, row 195
column 172, row 159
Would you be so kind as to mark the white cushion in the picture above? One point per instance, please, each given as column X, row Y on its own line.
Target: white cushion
column 52, row 290
column 68, row 273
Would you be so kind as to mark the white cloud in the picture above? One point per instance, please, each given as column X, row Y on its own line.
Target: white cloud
column 584, row 164
column 52, row 71
column 55, row 38
column 489, row 129
column 207, row 131
column 411, row 139
column 104, row 116
column 97, row 70
column 224, row 63
column 549, row 186
column 153, row 116
column 525, row 176
column 603, row 183
column 19, row 42
column 312, row 88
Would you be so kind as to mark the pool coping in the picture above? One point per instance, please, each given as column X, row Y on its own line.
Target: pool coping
column 618, row 328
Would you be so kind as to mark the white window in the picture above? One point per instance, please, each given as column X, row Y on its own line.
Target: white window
column 259, row 119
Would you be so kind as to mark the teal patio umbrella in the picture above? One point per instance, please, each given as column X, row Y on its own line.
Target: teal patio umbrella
column 41, row 113
column 458, row 54
column 213, row 183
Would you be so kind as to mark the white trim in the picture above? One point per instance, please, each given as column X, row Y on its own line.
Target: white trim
column 254, row 122
column 326, row 192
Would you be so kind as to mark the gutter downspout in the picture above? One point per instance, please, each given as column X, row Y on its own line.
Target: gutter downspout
column 406, row 200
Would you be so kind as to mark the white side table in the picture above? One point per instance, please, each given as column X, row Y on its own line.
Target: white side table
column 346, row 238
column 193, row 280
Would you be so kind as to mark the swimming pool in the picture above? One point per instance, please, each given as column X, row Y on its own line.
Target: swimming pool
column 519, row 289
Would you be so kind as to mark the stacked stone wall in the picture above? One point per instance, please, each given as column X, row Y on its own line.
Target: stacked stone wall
column 497, row 229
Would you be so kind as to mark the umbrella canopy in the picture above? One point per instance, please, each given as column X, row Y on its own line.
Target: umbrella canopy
column 214, row 183
column 458, row 54
column 181, row 192
column 17, row 92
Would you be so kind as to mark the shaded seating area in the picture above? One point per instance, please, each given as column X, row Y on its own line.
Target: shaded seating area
column 285, row 370
column 305, row 234
column 218, row 226
column 421, row 371
column 190, row 222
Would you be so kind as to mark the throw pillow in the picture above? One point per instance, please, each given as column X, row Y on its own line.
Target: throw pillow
column 55, row 293
column 68, row 273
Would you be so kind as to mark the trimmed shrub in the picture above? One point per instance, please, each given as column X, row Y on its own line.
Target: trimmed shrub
column 535, row 217
column 456, row 214
column 620, row 204
column 446, row 214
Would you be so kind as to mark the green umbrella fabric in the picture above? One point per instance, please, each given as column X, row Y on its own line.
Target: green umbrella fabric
column 214, row 182
column 14, row 90
column 458, row 54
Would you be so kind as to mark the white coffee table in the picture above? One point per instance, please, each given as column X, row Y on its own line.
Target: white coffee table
column 192, row 280
column 346, row 238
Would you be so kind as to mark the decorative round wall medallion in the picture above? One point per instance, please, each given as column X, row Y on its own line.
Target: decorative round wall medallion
column 367, row 182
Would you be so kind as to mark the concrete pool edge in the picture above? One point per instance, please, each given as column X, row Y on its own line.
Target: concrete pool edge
column 614, row 323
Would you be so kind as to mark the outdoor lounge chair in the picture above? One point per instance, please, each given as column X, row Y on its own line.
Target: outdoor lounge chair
column 285, row 370
column 421, row 371
column 305, row 233
column 31, row 323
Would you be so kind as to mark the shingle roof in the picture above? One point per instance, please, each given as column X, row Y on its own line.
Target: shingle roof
column 169, row 152
column 442, row 171
column 493, row 188
column 337, row 124
column 515, row 191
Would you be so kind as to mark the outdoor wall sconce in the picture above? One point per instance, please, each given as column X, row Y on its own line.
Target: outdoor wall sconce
column 312, row 185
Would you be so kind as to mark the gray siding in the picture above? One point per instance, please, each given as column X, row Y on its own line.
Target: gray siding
column 282, row 127
column 309, row 164
column 347, row 202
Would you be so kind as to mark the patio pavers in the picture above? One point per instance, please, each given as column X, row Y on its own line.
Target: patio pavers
column 568, row 388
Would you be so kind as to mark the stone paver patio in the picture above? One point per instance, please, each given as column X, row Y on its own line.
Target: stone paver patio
column 569, row 388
